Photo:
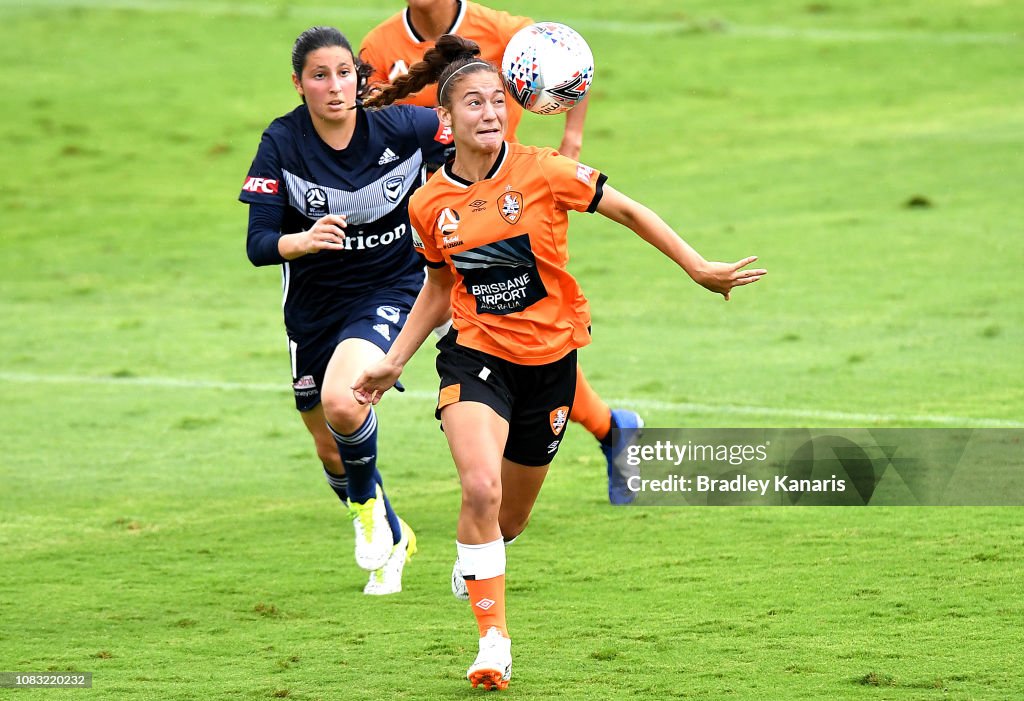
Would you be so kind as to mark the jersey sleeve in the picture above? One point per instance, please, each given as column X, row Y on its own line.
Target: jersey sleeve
column 435, row 139
column 573, row 185
column 422, row 234
column 264, row 183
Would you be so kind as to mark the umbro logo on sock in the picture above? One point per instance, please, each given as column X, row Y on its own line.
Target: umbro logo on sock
column 387, row 157
column 485, row 604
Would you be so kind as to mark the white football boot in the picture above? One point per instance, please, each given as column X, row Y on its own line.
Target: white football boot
column 388, row 579
column 374, row 541
column 492, row 668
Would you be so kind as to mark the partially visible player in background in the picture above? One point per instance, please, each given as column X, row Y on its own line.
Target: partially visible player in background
column 328, row 199
column 398, row 43
column 508, row 366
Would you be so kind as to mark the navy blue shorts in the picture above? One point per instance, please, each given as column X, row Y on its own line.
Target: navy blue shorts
column 376, row 317
column 535, row 399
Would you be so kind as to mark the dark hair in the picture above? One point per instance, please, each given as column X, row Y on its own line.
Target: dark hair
column 321, row 37
column 450, row 54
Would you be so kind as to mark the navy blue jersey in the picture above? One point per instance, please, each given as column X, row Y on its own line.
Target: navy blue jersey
column 370, row 182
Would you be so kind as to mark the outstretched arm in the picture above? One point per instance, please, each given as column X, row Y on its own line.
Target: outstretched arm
column 430, row 310
column 717, row 277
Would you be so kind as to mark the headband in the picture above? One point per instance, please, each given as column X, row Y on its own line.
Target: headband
column 440, row 93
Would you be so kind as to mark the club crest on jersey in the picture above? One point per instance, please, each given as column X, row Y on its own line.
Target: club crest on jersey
column 510, row 206
column 558, row 418
column 448, row 221
column 316, row 203
column 393, row 188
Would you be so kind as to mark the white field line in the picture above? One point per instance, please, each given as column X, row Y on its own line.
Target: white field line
column 715, row 27
column 844, row 418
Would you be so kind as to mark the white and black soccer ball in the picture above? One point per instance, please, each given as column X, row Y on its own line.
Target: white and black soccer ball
column 547, row 68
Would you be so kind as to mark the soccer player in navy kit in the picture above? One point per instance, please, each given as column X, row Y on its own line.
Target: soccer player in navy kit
column 328, row 198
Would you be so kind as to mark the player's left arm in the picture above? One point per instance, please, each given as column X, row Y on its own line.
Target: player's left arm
column 572, row 139
column 717, row 277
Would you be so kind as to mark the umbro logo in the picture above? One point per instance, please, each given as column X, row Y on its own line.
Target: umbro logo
column 387, row 157
column 485, row 603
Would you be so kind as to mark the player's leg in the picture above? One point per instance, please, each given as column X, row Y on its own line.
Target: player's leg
column 590, row 411
column 520, row 485
column 476, row 436
column 354, row 428
column 309, row 358
column 327, row 451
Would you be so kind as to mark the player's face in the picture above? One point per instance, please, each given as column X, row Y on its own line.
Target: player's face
column 477, row 114
column 328, row 82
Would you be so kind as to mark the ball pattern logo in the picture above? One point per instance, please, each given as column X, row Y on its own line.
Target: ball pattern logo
column 547, row 68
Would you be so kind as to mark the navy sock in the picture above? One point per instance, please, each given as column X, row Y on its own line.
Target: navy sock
column 339, row 483
column 358, row 452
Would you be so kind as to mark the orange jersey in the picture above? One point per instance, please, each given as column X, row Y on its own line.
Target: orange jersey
column 504, row 238
column 393, row 45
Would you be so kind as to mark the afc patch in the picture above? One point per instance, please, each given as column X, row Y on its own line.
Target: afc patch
column 261, row 186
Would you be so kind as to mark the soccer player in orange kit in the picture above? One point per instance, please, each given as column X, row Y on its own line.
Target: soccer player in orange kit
column 400, row 42
column 507, row 367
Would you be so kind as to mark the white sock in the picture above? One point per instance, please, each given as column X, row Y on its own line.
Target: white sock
column 482, row 561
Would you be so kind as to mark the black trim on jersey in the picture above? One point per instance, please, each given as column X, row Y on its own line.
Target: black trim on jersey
column 490, row 174
column 451, row 29
column 432, row 264
column 598, row 193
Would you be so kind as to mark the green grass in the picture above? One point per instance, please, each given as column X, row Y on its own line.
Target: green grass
column 164, row 523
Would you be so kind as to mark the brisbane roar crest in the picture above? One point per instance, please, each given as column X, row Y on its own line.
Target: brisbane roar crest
column 510, row 206
column 558, row 418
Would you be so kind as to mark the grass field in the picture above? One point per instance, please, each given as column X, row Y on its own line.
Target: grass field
column 164, row 523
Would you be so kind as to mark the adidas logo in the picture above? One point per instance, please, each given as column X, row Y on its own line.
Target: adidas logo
column 387, row 157
column 485, row 604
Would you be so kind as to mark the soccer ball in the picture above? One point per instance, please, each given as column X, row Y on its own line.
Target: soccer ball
column 547, row 68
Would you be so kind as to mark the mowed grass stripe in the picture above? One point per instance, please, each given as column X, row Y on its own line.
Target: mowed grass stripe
column 713, row 26
column 636, row 403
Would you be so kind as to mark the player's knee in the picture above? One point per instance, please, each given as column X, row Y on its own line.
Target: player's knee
column 481, row 494
column 343, row 412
